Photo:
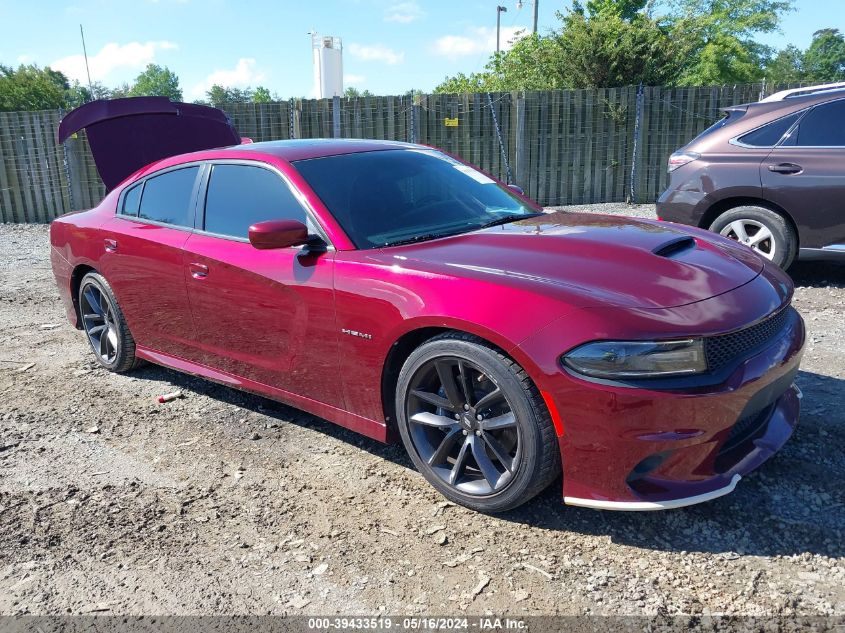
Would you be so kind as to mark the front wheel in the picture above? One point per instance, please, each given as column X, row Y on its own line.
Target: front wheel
column 764, row 231
column 475, row 425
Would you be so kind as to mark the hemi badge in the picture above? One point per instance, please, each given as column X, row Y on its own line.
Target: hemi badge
column 356, row 333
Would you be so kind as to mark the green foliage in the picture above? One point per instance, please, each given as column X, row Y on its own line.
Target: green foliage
column 157, row 81
column 786, row 67
column 625, row 9
column 824, row 60
column 220, row 95
column 31, row 88
column 719, row 38
column 608, row 51
column 262, row 95
column 351, row 92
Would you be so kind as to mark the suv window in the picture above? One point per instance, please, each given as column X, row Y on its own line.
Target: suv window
column 824, row 126
column 239, row 195
column 770, row 134
column 131, row 200
column 167, row 198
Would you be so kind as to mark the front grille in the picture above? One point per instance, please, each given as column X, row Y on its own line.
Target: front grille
column 721, row 350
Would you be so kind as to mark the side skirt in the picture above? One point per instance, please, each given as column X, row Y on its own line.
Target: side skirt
column 364, row 426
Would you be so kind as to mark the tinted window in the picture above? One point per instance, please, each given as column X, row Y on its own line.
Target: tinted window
column 239, row 196
column 731, row 116
column 131, row 199
column 395, row 196
column 824, row 126
column 770, row 134
column 167, row 198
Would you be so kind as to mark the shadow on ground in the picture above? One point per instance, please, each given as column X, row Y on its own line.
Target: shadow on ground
column 797, row 496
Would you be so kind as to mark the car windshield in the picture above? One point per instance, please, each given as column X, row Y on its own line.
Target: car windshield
column 392, row 197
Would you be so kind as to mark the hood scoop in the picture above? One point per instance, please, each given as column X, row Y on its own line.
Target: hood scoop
column 674, row 247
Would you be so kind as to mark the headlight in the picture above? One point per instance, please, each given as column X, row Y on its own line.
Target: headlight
column 638, row 359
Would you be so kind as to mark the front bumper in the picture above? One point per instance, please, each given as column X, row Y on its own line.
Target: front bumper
column 635, row 448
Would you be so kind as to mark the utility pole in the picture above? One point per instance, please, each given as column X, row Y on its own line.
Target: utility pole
column 499, row 11
column 85, row 54
column 535, row 3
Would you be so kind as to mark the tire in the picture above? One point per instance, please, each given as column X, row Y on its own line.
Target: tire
column 504, row 435
column 113, row 347
column 745, row 222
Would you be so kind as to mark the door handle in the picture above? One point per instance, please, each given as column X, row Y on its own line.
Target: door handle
column 198, row 271
column 786, row 168
column 110, row 245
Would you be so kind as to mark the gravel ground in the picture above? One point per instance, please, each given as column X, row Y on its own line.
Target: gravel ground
column 225, row 503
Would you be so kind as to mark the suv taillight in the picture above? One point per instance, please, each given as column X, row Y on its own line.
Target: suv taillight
column 679, row 159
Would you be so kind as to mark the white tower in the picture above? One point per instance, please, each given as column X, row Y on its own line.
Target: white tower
column 328, row 66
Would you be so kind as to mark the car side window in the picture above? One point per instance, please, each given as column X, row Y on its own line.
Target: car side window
column 132, row 200
column 824, row 126
column 240, row 195
column 167, row 198
column 771, row 133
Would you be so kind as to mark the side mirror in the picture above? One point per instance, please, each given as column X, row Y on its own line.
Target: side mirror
column 518, row 189
column 278, row 234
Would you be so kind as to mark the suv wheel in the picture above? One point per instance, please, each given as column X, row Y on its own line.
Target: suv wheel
column 762, row 230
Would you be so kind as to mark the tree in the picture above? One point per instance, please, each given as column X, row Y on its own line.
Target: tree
column 606, row 51
column 79, row 94
column 720, row 38
column 786, row 67
column 219, row 95
column 351, row 92
column 32, row 88
column 598, row 47
column 262, row 95
column 157, row 81
column 824, row 60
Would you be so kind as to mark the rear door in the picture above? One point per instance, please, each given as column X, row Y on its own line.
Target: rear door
column 143, row 258
column 264, row 315
column 805, row 175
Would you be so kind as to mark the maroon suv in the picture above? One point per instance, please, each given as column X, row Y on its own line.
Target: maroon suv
column 769, row 174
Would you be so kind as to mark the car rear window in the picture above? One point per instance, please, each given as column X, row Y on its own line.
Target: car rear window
column 131, row 200
column 731, row 116
column 770, row 134
column 167, row 198
column 240, row 195
column 824, row 126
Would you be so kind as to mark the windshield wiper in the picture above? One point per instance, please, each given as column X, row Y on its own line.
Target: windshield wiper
column 513, row 217
column 418, row 238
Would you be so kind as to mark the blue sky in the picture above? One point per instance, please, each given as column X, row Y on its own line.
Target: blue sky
column 390, row 46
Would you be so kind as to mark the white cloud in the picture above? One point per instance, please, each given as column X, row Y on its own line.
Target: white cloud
column 245, row 73
column 353, row 80
column 113, row 56
column 403, row 12
column 480, row 39
column 376, row 53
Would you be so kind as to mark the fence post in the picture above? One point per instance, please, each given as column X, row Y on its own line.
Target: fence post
column 415, row 117
column 632, row 198
column 520, row 167
column 335, row 116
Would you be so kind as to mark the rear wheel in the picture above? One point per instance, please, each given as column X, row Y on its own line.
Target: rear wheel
column 761, row 229
column 104, row 325
column 475, row 425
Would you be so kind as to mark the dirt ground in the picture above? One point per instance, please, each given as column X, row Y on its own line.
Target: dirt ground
column 225, row 503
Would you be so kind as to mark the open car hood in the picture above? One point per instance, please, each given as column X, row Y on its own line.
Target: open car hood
column 127, row 134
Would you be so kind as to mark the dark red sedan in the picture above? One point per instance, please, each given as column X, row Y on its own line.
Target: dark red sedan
column 399, row 292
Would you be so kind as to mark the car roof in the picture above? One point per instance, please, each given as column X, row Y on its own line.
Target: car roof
column 302, row 149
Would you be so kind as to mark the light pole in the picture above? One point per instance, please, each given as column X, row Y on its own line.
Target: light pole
column 536, row 8
column 499, row 11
